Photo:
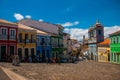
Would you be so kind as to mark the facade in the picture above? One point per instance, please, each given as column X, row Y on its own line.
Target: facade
column 26, row 46
column 115, row 47
column 43, row 47
column 95, row 35
column 55, row 31
column 84, row 47
column 57, row 44
column 8, row 40
column 104, row 51
column 76, row 47
column 67, row 43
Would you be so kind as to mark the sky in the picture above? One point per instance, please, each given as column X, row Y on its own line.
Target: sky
column 75, row 15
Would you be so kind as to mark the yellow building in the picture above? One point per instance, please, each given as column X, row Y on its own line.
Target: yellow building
column 104, row 51
column 26, row 42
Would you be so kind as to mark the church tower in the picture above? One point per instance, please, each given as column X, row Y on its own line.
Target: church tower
column 99, row 29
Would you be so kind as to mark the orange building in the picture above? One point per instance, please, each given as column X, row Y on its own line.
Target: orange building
column 104, row 51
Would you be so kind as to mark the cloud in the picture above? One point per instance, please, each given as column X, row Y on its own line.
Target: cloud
column 77, row 33
column 109, row 30
column 28, row 16
column 18, row 16
column 41, row 20
column 67, row 24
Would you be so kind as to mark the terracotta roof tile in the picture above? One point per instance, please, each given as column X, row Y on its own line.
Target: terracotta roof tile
column 106, row 41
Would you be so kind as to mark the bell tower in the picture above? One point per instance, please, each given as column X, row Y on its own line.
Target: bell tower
column 99, row 29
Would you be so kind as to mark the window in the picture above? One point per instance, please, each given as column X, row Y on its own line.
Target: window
column 114, row 40
column 38, row 41
column 12, row 32
column 111, row 40
column 117, row 39
column 26, row 38
column 20, row 37
column 42, row 41
column 4, row 31
column 32, row 38
column 99, row 32
column 48, row 41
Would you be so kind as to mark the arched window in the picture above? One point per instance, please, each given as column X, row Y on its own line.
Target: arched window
column 99, row 31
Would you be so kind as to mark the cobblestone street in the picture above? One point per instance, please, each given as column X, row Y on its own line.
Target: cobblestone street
column 86, row 70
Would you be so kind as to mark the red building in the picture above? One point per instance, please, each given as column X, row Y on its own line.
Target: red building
column 8, row 40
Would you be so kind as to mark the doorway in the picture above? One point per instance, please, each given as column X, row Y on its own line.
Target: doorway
column 26, row 54
column 3, row 52
column 20, row 53
column 12, row 50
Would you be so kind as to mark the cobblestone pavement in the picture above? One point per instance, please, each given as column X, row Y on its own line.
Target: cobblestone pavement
column 85, row 70
column 3, row 75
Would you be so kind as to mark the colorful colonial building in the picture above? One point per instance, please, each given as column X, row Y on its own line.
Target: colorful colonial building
column 95, row 35
column 8, row 40
column 43, row 46
column 115, row 47
column 26, row 42
column 57, row 43
column 104, row 51
column 55, row 32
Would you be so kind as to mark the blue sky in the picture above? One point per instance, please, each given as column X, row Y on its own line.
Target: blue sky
column 76, row 14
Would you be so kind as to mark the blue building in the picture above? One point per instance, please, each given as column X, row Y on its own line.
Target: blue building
column 95, row 35
column 43, row 48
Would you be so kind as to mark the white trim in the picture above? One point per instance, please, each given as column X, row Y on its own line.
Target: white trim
column 3, row 34
column 12, row 35
column 6, row 30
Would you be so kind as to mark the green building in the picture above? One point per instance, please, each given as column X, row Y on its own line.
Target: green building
column 115, row 47
column 57, row 43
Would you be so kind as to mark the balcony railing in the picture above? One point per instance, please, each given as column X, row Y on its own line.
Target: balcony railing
column 3, row 37
column 32, row 41
column 23, row 41
column 20, row 41
column 12, row 37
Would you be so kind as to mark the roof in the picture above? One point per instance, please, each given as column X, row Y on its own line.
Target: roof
column 106, row 41
column 29, row 28
column 24, row 26
column 115, row 33
column 66, row 34
column 7, row 22
column 46, row 27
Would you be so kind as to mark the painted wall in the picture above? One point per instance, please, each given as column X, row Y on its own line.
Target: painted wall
column 115, row 49
column 29, row 43
column 103, row 54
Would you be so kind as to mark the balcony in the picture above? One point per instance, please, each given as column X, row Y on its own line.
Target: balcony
column 92, row 41
column 26, row 41
column 32, row 41
column 61, row 45
column 43, row 43
column 20, row 41
column 12, row 37
column 3, row 37
column 23, row 41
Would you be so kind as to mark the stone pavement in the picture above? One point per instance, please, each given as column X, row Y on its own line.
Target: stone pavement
column 3, row 75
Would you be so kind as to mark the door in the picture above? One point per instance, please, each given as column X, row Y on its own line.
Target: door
column 43, row 55
column 26, row 54
column 12, row 50
column 3, row 52
column 48, row 54
column 20, row 53
column 32, row 54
